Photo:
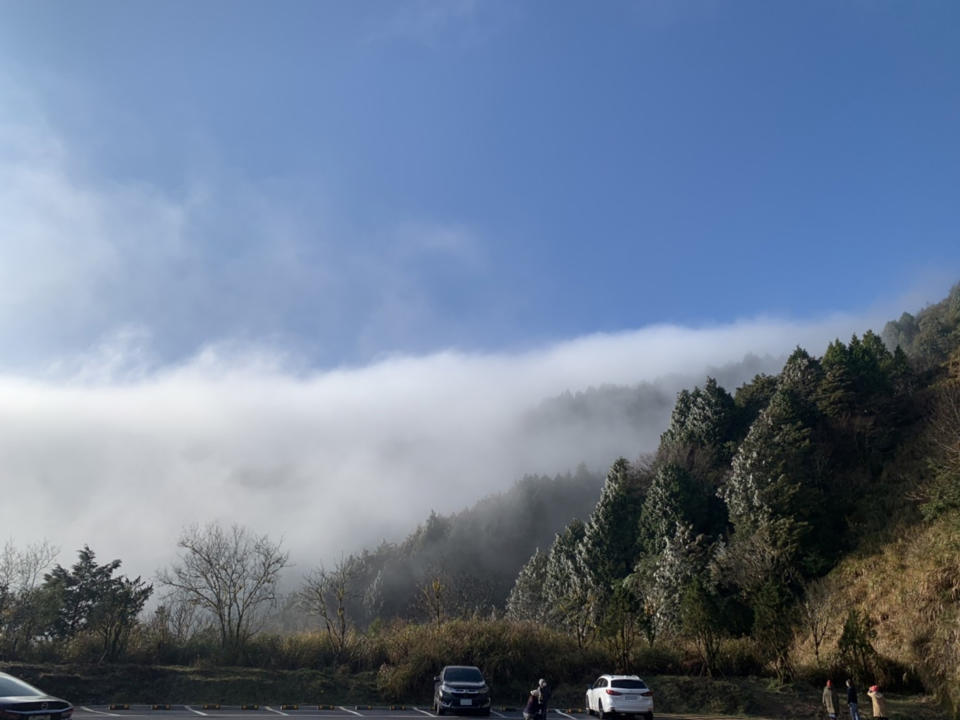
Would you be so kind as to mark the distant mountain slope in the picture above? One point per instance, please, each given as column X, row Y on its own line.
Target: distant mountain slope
column 599, row 424
column 473, row 556
column 930, row 336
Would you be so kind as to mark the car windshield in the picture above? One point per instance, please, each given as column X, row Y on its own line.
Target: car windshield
column 11, row 687
column 462, row 674
column 629, row 684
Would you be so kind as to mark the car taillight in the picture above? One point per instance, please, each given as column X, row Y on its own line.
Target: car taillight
column 613, row 692
column 647, row 693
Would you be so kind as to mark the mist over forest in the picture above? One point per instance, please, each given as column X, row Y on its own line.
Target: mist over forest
column 342, row 341
column 297, row 455
column 596, row 425
column 738, row 545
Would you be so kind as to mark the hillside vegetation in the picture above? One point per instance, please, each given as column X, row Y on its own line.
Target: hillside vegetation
column 809, row 520
column 803, row 526
column 466, row 562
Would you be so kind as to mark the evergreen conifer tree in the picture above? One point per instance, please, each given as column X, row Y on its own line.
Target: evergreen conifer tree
column 526, row 599
column 608, row 550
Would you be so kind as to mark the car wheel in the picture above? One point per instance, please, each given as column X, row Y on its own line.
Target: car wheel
column 600, row 713
column 586, row 704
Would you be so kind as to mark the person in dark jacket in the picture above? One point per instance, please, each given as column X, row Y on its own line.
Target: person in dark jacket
column 852, row 700
column 544, row 696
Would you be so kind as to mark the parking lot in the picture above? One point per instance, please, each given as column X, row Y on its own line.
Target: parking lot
column 345, row 712
column 191, row 712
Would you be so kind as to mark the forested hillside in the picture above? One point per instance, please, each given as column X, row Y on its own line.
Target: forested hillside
column 805, row 525
column 466, row 562
column 765, row 508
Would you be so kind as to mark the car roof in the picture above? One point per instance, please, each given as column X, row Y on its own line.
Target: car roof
column 468, row 667
column 621, row 677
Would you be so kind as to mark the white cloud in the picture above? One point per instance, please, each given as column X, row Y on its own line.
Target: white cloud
column 85, row 261
column 119, row 442
column 331, row 461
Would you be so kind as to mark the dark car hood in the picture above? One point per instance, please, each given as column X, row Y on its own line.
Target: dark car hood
column 20, row 699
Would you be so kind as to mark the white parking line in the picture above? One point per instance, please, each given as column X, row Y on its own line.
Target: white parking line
column 195, row 711
column 424, row 712
column 352, row 712
column 267, row 707
column 497, row 714
column 90, row 710
column 571, row 717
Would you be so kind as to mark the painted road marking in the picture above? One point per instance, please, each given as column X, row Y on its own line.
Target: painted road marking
column 267, row 707
column 83, row 707
column 195, row 711
column 352, row 712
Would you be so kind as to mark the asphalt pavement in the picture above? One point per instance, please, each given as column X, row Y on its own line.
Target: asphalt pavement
column 271, row 712
column 304, row 712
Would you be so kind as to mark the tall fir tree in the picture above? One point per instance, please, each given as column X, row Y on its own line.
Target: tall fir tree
column 564, row 592
column 609, row 547
column 526, row 600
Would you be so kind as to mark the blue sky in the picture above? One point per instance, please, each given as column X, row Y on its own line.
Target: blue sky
column 260, row 262
column 361, row 178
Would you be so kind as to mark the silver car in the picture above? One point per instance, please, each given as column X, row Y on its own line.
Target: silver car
column 619, row 694
column 20, row 701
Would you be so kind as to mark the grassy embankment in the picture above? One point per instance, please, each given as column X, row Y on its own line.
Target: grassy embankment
column 910, row 589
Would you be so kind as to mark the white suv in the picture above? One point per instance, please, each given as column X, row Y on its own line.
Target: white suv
column 612, row 694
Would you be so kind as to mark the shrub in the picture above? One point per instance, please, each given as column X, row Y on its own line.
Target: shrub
column 657, row 660
column 512, row 655
column 740, row 656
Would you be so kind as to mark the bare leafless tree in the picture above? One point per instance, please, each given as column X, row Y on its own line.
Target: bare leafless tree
column 945, row 427
column 22, row 613
column 325, row 594
column 818, row 611
column 21, row 570
column 177, row 620
column 231, row 574
column 433, row 597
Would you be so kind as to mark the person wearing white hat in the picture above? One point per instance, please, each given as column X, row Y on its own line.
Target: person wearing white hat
column 544, row 691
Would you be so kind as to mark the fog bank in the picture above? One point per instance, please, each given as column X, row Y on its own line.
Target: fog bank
column 334, row 461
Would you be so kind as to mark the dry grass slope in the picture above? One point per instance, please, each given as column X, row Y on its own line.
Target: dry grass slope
column 910, row 591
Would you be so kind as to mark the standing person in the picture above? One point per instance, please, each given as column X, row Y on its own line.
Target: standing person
column 852, row 700
column 544, row 697
column 531, row 710
column 830, row 700
column 879, row 703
